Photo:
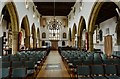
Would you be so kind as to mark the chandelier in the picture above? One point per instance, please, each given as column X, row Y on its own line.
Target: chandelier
column 54, row 24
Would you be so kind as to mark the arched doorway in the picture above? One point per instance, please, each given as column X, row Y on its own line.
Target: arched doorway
column 101, row 12
column 25, row 30
column 63, row 43
column 34, row 41
column 43, row 43
column 10, row 16
column 74, row 32
column 82, row 26
column 38, row 38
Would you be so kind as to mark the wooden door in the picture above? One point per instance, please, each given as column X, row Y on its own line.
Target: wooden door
column 54, row 45
column 108, row 44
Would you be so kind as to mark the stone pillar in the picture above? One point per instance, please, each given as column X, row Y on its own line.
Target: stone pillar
column 90, row 41
column 73, row 42
column 38, row 43
column 14, row 42
column 79, row 42
column 27, row 42
column 69, row 43
column 34, row 43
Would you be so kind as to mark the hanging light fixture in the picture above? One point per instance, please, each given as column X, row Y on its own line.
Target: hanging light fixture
column 53, row 23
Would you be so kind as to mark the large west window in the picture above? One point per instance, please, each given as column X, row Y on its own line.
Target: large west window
column 54, row 30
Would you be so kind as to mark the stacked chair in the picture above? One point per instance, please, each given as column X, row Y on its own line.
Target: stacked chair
column 22, row 64
column 90, row 65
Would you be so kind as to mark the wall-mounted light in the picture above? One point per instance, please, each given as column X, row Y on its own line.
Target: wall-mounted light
column 35, row 6
column 26, row 4
column 84, row 30
column 34, row 15
column 72, row 8
column 75, row 35
column 80, row 8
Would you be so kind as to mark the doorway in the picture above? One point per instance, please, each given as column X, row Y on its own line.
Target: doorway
column 63, row 43
column 54, row 45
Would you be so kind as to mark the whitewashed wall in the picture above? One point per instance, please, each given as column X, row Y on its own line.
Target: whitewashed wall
column 111, row 24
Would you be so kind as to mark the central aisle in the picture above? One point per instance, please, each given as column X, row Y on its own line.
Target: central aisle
column 53, row 66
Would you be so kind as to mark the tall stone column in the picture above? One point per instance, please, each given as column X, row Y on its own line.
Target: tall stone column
column 90, row 41
column 14, row 42
column 34, row 43
column 39, row 43
column 69, row 43
column 79, row 42
column 73, row 42
column 27, row 42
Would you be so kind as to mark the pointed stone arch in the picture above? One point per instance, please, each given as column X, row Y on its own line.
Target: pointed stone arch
column 10, row 6
column 13, row 16
column 25, row 25
column 81, row 27
column 91, row 25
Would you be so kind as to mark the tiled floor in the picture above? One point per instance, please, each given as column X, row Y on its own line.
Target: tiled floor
column 53, row 67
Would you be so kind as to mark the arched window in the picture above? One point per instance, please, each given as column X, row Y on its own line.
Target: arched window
column 43, row 35
column 64, row 35
column 54, row 29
